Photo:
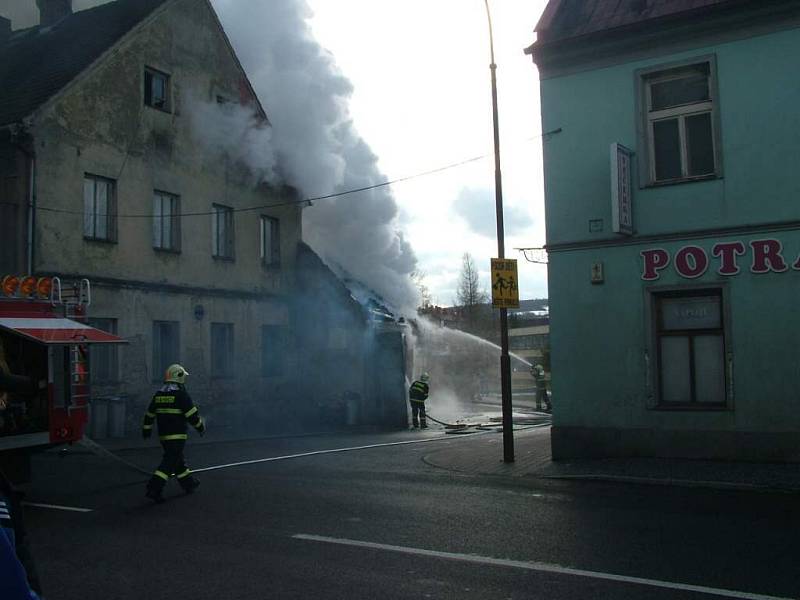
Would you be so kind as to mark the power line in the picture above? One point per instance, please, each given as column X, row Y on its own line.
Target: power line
column 311, row 200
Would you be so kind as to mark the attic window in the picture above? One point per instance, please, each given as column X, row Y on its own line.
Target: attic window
column 156, row 89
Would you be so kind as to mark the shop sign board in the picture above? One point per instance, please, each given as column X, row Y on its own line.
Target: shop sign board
column 505, row 286
column 691, row 262
column 621, row 206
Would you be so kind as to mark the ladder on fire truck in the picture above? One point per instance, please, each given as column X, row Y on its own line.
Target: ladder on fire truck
column 74, row 299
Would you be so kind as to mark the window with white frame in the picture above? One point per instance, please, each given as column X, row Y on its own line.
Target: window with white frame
column 166, row 221
column 681, row 125
column 99, row 208
column 156, row 89
column 270, row 241
column 690, row 339
column 222, row 232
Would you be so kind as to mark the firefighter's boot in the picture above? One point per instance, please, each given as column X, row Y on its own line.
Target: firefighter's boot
column 189, row 484
column 155, row 486
column 424, row 424
column 154, row 493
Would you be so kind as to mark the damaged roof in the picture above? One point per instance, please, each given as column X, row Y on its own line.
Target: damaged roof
column 565, row 19
column 36, row 63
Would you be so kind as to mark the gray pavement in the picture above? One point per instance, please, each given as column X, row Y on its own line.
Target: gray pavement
column 533, row 459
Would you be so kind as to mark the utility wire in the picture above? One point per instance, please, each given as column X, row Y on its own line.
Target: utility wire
column 311, row 200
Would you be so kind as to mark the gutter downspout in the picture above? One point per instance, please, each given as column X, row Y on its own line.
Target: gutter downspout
column 31, row 213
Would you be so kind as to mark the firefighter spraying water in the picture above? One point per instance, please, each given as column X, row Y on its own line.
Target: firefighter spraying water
column 417, row 394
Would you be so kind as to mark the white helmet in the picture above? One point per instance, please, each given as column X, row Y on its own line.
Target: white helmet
column 424, row 378
column 175, row 374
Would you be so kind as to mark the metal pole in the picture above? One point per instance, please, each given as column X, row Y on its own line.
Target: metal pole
column 505, row 360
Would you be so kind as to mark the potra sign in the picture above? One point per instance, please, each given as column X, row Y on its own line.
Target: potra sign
column 692, row 261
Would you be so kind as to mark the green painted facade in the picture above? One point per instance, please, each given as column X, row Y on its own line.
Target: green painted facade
column 605, row 355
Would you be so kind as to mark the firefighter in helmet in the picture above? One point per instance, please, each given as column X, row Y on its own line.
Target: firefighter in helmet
column 537, row 371
column 171, row 407
column 417, row 394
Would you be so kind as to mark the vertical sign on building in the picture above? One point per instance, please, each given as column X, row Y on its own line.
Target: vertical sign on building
column 505, row 286
column 621, row 206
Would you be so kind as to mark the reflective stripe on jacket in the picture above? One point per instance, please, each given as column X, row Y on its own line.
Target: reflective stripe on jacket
column 418, row 391
column 171, row 408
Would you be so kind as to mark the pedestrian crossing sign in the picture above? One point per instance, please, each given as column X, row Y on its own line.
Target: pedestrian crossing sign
column 505, row 288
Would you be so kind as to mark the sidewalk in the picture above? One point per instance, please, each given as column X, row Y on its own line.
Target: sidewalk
column 484, row 455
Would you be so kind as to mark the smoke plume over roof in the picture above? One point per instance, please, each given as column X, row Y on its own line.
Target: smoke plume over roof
column 319, row 150
column 315, row 144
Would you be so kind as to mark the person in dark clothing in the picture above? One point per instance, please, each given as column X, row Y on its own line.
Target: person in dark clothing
column 18, row 576
column 417, row 394
column 542, row 401
column 171, row 408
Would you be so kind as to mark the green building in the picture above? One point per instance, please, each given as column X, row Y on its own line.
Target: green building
column 672, row 179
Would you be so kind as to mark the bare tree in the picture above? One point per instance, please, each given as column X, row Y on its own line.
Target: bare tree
column 469, row 293
column 418, row 278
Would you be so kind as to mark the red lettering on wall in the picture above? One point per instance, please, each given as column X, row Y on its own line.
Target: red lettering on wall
column 727, row 252
column 691, row 262
column 767, row 256
column 654, row 261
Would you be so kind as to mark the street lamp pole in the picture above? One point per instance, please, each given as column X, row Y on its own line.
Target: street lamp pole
column 505, row 360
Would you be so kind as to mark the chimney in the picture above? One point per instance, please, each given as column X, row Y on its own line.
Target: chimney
column 52, row 11
column 5, row 30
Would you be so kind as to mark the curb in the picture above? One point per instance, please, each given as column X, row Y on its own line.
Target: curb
column 689, row 483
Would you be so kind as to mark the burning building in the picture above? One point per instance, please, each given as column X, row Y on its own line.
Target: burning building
column 135, row 152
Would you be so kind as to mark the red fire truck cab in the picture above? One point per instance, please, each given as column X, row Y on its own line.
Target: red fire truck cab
column 44, row 341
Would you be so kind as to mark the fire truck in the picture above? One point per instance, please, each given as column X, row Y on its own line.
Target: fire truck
column 44, row 360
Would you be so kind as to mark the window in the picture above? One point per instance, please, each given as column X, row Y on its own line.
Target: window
column 222, row 350
column 156, row 89
column 680, row 123
column 99, row 209
column 222, row 231
column 270, row 242
column 166, row 222
column 166, row 347
column 104, row 357
column 690, row 342
column 273, row 350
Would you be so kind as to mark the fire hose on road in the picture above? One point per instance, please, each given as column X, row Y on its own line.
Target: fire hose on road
column 494, row 423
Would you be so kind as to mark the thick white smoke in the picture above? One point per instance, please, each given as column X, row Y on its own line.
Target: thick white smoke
column 320, row 152
column 237, row 132
column 317, row 147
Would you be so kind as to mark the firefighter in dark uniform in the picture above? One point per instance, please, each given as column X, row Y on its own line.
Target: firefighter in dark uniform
column 541, row 387
column 171, row 407
column 417, row 394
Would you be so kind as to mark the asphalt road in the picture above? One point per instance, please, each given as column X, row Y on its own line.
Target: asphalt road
column 382, row 523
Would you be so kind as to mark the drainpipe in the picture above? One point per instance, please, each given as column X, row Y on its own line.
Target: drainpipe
column 31, row 213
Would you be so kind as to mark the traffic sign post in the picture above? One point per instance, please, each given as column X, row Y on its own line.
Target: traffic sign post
column 505, row 283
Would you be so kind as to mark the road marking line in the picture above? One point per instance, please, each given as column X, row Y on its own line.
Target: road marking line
column 331, row 451
column 538, row 566
column 57, row 507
